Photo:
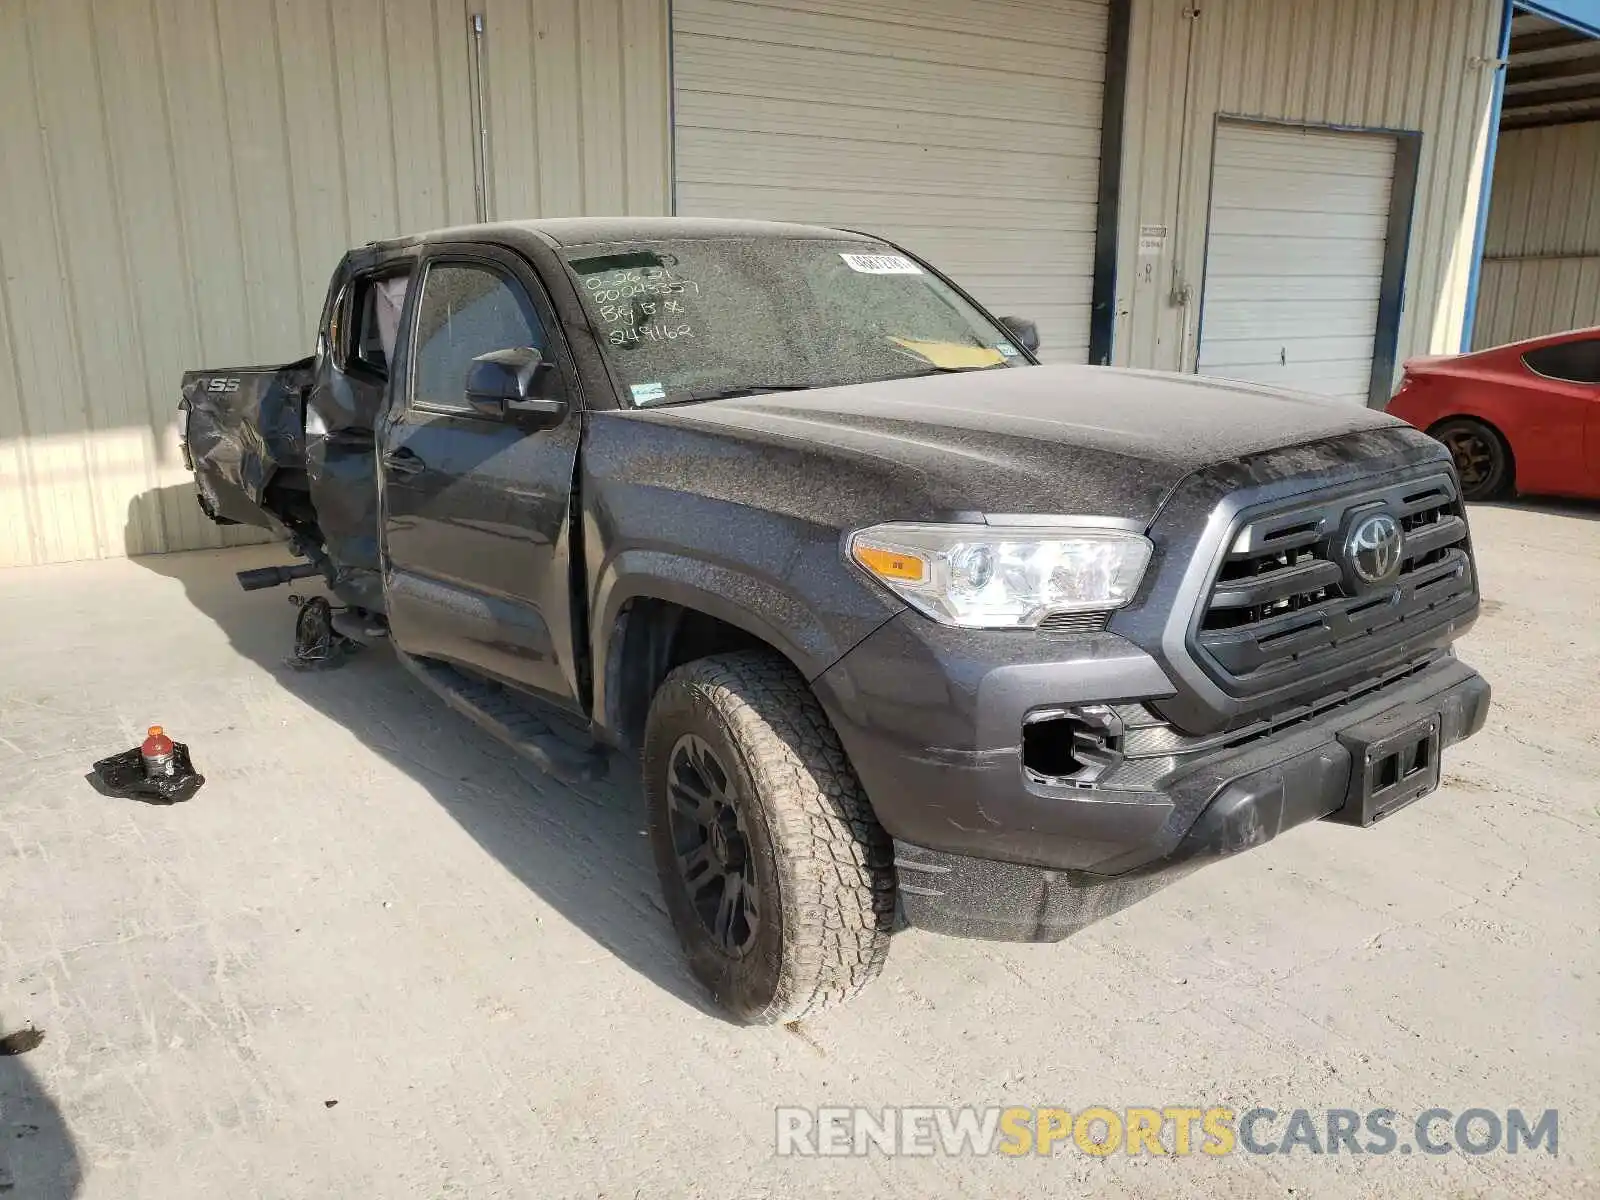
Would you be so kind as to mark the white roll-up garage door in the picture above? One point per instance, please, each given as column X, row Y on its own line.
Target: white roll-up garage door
column 966, row 130
column 1294, row 257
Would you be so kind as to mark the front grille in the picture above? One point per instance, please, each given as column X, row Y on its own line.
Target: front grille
column 1153, row 749
column 1146, row 735
column 1285, row 600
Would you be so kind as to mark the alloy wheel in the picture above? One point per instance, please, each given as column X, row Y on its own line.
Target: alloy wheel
column 712, row 845
column 1474, row 456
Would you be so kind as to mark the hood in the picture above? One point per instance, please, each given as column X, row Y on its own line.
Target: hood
column 1089, row 441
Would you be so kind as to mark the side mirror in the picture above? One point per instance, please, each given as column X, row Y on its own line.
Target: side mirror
column 1024, row 331
column 516, row 382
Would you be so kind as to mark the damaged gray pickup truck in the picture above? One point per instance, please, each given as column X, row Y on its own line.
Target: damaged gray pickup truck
column 897, row 623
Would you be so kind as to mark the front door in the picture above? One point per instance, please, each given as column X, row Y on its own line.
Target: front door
column 475, row 506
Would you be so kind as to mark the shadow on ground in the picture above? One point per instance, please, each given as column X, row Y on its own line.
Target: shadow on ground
column 38, row 1157
column 581, row 850
column 1555, row 506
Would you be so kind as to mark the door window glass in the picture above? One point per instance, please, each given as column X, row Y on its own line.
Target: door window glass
column 1574, row 362
column 465, row 312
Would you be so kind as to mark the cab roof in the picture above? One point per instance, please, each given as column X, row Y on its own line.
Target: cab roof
column 584, row 231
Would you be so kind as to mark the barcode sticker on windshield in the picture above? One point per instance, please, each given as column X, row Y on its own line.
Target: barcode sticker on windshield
column 881, row 264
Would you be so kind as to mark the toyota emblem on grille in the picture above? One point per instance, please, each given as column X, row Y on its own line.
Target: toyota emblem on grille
column 1373, row 549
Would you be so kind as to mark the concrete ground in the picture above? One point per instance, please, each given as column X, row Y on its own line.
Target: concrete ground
column 378, row 956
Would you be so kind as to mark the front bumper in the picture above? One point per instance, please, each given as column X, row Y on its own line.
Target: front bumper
column 982, row 849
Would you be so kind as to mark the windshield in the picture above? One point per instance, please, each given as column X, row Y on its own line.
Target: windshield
column 680, row 321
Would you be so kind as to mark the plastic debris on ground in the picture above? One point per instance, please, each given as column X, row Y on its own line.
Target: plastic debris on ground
column 158, row 771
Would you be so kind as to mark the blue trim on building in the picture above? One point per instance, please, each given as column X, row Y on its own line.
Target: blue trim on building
column 1470, row 315
column 1582, row 15
column 1103, row 307
column 1396, row 254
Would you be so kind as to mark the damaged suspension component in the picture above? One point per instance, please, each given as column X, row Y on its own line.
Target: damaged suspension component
column 317, row 644
column 326, row 634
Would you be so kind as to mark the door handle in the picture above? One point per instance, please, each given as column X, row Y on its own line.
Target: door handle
column 401, row 461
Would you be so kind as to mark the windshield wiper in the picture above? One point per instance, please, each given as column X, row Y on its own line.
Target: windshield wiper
column 759, row 389
column 935, row 370
column 750, row 389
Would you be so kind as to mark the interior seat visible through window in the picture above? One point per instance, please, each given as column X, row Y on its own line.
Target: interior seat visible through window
column 376, row 321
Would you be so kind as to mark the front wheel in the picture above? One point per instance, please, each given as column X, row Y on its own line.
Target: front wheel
column 777, row 876
column 1482, row 458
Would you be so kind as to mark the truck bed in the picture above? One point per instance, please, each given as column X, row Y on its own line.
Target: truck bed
column 243, row 431
column 255, row 462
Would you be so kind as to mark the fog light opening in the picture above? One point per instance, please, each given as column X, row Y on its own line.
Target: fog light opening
column 1075, row 746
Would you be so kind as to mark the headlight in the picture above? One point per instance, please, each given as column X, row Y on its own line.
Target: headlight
column 994, row 577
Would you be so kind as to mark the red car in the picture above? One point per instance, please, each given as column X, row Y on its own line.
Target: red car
column 1517, row 418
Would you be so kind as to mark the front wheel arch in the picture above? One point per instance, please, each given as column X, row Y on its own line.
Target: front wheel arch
column 648, row 639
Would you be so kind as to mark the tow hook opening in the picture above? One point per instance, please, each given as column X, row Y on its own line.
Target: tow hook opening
column 1074, row 746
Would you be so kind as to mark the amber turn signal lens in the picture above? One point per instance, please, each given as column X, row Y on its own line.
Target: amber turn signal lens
column 891, row 564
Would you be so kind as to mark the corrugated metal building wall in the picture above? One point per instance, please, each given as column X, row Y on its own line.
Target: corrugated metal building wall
column 181, row 175
column 1397, row 64
column 579, row 107
column 1541, row 254
column 966, row 130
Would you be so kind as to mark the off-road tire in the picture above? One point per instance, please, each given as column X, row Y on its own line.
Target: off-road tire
column 822, row 865
column 1491, row 473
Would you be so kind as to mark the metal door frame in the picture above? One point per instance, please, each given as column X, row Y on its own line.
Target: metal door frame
column 1396, row 245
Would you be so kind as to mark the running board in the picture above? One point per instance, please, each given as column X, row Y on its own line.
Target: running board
column 553, row 743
